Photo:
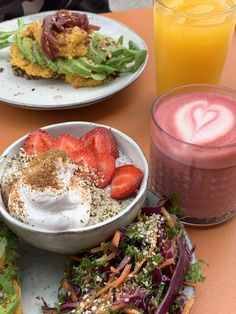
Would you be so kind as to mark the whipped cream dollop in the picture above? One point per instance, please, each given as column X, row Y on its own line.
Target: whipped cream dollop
column 49, row 194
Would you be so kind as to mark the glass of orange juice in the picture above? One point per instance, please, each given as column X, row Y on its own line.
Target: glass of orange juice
column 191, row 40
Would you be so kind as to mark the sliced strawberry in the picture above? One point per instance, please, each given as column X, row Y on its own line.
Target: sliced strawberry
column 68, row 143
column 37, row 142
column 101, row 140
column 125, row 182
column 106, row 167
column 86, row 160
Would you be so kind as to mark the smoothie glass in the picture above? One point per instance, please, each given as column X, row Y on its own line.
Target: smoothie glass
column 191, row 40
column 202, row 177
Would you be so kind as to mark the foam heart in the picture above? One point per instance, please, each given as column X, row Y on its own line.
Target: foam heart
column 201, row 122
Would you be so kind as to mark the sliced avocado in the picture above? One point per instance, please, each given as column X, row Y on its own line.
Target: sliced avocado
column 109, row 46
column 19, row 44
column 94, row 51
column 38, row 55
column 99, row 76
column 27, row 43
column 102, row 48
column 32, row 51
column 52, row 65
column 64, row 67
column 98, row 68
column 78, row 68
column 40, row 58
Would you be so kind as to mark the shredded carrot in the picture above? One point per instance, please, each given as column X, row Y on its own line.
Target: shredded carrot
column 73, row 295
column 168, row 262
column 111, row 256
column 138, row 267
column 105, row 289
column 139, row 215
column 111, row 279
column 190, row 283
column 169, row 219
column 188, row 306
column 102, row 311
column 115, row 282
column 65, row 284
column 97, row 249
column 131, row 311
column 118, row 306
column 87, row 304
column 114, row 270
column 107, row 297
column 73, row 257
column 116, row 238
column 123, row 276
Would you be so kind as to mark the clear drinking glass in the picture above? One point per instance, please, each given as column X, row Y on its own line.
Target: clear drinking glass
column 191, row 40
column 202, row 176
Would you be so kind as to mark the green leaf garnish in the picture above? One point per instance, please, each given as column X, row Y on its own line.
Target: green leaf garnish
column 194, row 273
column 3, row 245
column 5, row 37
column 173, row 205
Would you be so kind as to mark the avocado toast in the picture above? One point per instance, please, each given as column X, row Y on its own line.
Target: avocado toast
column 10, row 296
column 65, row 46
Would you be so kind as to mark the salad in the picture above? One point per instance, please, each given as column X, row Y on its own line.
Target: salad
column 143, row 269
column 64, row 45
column 10, row 298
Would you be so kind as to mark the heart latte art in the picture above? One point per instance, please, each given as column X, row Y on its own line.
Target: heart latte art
column 199, row 118
column 201, row 122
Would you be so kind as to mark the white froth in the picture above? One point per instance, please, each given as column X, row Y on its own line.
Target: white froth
column 201, row 122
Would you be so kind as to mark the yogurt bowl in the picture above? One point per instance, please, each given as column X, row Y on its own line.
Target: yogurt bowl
column 81, row 238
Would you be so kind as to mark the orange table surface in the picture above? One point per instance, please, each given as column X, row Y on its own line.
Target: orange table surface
column 129, row 111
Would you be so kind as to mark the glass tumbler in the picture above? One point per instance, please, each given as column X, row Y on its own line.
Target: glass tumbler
column 193, row 151
column 191, row 40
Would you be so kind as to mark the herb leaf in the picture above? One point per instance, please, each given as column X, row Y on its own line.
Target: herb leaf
column 194, row 273
column 3, row 245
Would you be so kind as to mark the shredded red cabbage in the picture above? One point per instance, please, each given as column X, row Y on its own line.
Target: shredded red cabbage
column 177, row 279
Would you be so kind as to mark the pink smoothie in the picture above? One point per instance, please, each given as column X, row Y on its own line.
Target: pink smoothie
column 193, row 153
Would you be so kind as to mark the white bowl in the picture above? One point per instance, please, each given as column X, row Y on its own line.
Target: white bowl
column 86, row 237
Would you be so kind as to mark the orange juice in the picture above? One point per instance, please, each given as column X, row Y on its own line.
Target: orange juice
column 191, row 40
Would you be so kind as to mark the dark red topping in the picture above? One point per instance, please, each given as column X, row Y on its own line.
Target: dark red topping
column 59, row 22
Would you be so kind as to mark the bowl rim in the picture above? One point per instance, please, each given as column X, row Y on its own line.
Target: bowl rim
column 142, row 190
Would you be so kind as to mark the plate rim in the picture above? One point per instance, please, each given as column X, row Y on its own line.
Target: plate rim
column 84, row 103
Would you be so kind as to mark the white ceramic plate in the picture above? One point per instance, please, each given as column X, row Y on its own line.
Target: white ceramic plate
column 56, row 94
column 42, row 272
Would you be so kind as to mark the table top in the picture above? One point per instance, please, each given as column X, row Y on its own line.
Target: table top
column 129, row 111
